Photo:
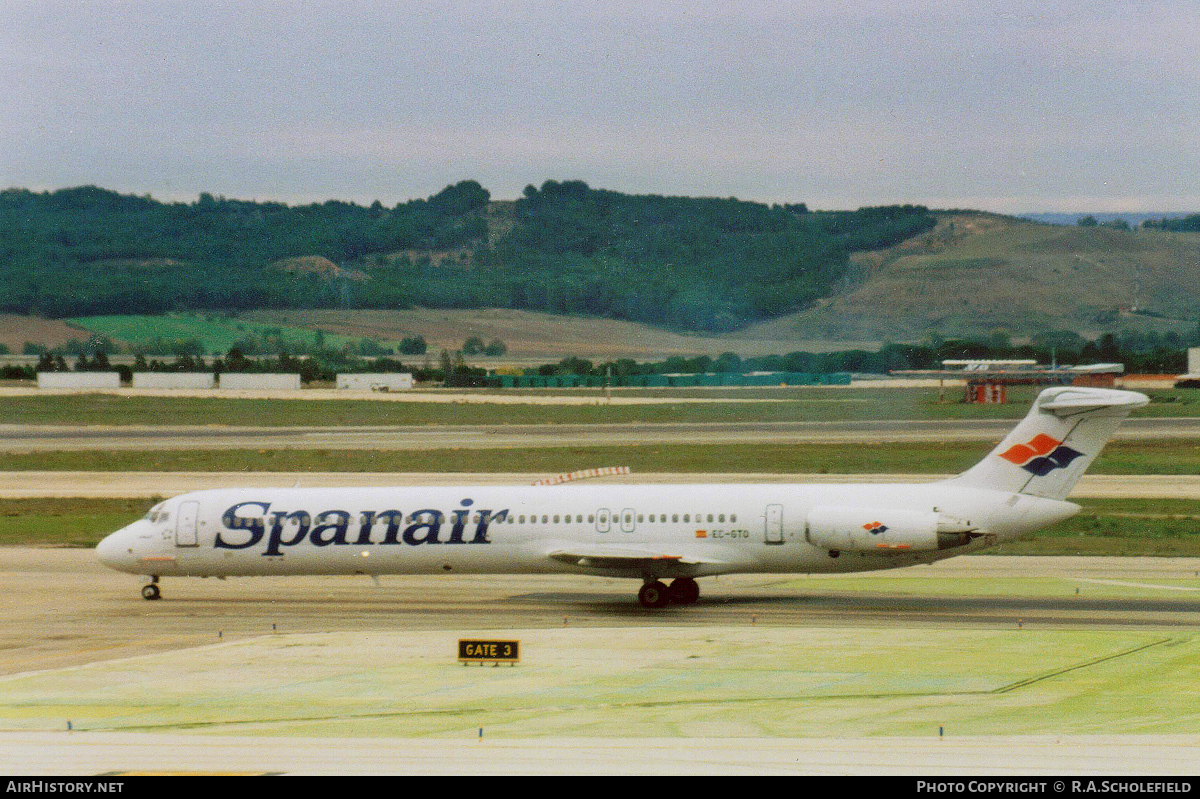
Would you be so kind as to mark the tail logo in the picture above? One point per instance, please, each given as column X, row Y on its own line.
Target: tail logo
column 875, row 528
column 1041, row 455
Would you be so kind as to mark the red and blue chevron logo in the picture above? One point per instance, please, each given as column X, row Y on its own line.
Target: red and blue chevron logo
column 875, row 528
column 1041, row 455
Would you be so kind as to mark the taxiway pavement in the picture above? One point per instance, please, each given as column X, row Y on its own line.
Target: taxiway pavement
column 81, row 632
column 64, row 608
column 1012, row 757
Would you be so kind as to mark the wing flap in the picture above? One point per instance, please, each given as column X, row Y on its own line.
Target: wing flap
column 591, row 557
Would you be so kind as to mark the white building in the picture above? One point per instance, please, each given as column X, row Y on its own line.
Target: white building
column 79, row 380
column 174, row 380
column 251, row 381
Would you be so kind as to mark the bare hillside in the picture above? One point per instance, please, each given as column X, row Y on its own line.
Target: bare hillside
column 16, row 329
column 977, row 273
column 529, row 334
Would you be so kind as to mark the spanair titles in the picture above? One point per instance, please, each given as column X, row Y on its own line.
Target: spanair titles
column 247, row 524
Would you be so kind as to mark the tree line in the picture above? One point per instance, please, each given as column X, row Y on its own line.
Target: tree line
column 1141, row 354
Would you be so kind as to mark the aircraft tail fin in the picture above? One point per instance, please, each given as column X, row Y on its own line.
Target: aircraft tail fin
column 1049, row 450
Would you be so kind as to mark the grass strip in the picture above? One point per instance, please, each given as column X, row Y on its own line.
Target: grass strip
column 811, row 404
column 1133, row 456
column 75, row 522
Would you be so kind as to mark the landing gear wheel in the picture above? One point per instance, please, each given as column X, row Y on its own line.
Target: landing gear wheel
column 151, row 592
column 684, row 591
column 654, row 595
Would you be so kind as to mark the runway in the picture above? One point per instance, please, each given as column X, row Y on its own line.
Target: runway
column 41, row 438
column 121, row 485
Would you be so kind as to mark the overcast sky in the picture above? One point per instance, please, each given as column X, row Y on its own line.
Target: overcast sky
column 1006, row 106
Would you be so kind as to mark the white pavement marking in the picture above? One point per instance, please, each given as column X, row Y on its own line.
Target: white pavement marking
column 1135, row 585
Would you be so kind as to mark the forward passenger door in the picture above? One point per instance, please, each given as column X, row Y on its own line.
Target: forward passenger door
column 185, row 524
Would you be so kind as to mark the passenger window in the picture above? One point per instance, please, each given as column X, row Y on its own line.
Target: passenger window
column 674, row 517
column 721, row 518
column 556, row 518
column 710, row 517
column 733, row 517
column 687, row 517
column 627, row 520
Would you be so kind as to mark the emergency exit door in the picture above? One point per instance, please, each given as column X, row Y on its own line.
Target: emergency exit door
column 185, row 524
column 774, row 521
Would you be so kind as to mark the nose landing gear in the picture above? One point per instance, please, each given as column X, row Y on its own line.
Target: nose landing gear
column 151, row 591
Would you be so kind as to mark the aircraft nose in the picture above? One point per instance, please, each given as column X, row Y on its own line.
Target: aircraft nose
column 114, row 552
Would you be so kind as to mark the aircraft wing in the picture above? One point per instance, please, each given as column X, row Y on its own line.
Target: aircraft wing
column 591, row 556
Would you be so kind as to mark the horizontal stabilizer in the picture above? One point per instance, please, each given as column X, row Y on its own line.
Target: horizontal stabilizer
column 1070, row 401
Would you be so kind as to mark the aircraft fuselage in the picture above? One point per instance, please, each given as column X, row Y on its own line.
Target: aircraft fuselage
column 697, row 530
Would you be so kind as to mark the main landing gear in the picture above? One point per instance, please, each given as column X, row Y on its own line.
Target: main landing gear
column 151, row 591
column 682, row 591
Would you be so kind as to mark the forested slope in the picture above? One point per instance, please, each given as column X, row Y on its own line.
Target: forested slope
column 688, row 263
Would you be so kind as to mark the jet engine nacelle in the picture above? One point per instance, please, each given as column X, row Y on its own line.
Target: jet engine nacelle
column 836, row 527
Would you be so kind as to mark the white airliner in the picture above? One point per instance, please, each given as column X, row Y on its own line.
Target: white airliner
column 647, row 532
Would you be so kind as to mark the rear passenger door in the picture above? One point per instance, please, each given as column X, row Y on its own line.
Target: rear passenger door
column 774, row 524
